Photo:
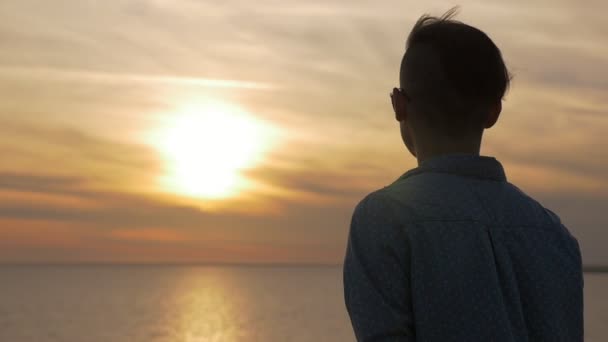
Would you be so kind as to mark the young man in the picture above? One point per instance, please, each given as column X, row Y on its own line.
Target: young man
column 451, row 251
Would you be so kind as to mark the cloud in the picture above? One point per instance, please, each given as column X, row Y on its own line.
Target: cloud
column 140, row 226
column 74, row 156
column 86, row 76
column 82, row 80
column 29, row 183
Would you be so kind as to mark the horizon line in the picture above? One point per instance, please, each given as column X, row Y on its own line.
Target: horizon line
column 586, row 268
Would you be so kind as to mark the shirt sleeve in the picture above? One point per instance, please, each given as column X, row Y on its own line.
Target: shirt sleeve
column 376, row 274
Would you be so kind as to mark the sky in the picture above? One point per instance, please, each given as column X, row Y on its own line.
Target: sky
column 107, row 157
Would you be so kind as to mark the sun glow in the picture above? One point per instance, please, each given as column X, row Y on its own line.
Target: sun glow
column 207, row 146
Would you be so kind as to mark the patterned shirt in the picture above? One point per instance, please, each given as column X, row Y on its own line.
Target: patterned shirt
column 451, row 251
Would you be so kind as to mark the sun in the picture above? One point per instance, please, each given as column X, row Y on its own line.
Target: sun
column 206, row 146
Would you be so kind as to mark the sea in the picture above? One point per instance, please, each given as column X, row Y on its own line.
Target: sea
column 168, row 303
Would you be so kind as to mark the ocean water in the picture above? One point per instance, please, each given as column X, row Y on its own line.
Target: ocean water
column 195, row 303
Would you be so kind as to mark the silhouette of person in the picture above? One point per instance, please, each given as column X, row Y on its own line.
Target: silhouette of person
column 451, row 251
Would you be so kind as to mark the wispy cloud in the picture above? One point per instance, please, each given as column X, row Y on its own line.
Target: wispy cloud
column 86, row 76
column 80, row 81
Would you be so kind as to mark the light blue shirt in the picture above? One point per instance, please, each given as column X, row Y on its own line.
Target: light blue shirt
column 451, row 251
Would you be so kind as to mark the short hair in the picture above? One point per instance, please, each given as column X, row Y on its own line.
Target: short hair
column 453, row 74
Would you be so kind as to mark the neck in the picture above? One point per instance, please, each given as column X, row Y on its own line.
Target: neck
column 436, row 148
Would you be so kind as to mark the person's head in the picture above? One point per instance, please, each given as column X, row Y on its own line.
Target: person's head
column 452, row 81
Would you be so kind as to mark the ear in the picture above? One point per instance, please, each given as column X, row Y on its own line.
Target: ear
column 399, row 105
column 493, row 115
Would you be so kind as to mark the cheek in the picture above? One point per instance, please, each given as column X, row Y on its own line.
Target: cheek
column 405, row 134
column 407, row 139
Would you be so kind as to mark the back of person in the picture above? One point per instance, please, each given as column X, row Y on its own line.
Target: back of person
column 485, row 252
column 451, row 251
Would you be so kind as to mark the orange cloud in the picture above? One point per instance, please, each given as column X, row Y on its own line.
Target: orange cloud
column 149, row 235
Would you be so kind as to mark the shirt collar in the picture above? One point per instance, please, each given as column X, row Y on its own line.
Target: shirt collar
column 460, row 164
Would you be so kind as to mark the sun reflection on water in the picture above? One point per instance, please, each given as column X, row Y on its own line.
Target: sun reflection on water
column 210, row 307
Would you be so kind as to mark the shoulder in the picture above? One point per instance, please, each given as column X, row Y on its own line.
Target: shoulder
column 544, row 212
column 378, row 215
column 376, row 224
column 376, row 203
column 401, row 201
